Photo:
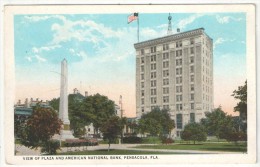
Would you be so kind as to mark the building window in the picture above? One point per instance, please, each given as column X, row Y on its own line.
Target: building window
column 192, row 106
column 153, row 49
column 142, row 84
column 153, row 66
column 192, row 117
column 192, row 96
column 165, row 90
column 166, row 99
column 178, row 53
column 192, row 50
column 142, row 51
column 178, row 62
column 178, row 71
column 179, row 121
column 192, row 78
column 178, row 44
column 178, row 97
column 142, row 101
column 166, row 81
column 165, row 46
column 192, row 69
column 165, row 73
column 165, row 64
column 153, row 91
column 178, row 107
column 153, row 83
column 192, row 41
column 142, row 68
column 153, row 58
column 191, row 59
column 142, row 93
column 178, row 80
column 153, row 74
column 153, row 100
column 178, row 89
column 142, row 60
column 142, row 109
column 166, row 107
column 142, row 76
column 192, row 87
column 165, row 56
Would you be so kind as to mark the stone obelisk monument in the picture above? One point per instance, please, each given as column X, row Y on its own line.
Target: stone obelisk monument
column 63, row 107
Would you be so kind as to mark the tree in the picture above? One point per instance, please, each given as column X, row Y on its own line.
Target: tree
column 40, row 127
column 111, row 129
column 156, row 122
column 241, row 107
column 217, row 123
column 78, row 117
column 100, row 108
column 94, row 109
column 195, row 132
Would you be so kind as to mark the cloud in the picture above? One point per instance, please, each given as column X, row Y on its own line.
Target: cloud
column 28, row 58
column 226, row 19
column 82, row 30
column 40, row 59
column 221, row 40
column 37, row 18
column 184, row 22
column 218, row 42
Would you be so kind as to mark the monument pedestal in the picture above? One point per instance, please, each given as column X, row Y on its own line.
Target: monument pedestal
column 65, row 133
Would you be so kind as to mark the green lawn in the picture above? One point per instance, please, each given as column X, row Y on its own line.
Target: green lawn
column 113, row 152
column 241, row 147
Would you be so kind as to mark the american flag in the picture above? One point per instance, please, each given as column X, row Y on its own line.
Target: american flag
column 132, row 17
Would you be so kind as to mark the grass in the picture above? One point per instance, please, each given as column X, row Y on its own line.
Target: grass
column 114, row 152
column 231, row 147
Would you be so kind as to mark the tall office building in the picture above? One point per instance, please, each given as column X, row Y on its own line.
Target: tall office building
column 175, row 72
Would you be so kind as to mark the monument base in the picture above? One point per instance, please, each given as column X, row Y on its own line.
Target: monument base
column 64, row 134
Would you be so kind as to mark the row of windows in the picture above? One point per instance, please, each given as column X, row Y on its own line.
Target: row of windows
column 166, row 46
column 166, row 98
column 166, row 89
column 166, row 64
column 166, row 55
column 178, row 108
column 166, row 80
column 166, row 72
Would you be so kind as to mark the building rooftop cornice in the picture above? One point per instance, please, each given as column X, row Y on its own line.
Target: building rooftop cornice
column 168, row 38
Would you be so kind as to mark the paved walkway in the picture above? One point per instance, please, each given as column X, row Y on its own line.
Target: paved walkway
column 22, row 150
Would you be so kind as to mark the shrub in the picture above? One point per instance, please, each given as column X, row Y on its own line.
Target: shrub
column 50, row 147
column 166, row 140
column 132, row 139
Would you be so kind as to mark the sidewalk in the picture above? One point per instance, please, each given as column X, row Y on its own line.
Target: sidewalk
column 22, row 150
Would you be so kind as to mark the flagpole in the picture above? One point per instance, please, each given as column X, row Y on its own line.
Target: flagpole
column 138, row 27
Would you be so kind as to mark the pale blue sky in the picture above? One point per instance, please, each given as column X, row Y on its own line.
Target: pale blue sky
column 100, row 53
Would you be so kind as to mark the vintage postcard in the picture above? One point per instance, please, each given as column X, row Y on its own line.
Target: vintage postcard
column 130, row 84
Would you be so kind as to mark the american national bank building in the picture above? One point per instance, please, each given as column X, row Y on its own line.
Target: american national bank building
column 175, row 72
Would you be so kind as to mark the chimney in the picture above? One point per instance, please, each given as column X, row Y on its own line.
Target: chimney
column 86, row 93
column 75, row 91
column 37, row 99
column 31, row 99
column 19, row 102
column 26, row 103
column 178, row 30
